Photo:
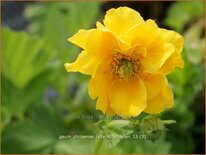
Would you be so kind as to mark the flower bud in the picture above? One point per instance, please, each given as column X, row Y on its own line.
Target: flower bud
column 153, row 127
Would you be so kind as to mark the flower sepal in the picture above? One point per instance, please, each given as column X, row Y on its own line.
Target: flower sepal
column 114, row 130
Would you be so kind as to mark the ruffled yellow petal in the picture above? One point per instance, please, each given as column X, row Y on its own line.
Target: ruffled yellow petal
column 95, row 50
column 99, row 86
column 175, row 60
column 163, row 100
column 102, row 43
column 123, row 46
column 154, row 84
column 80, row 38
column 103, row 102
column 137, row 50
column 100, row 26
column 85, row 64
column 145, row 33
column 98, row 42
column 120, row 20
column 155, row 58
column 158, row 51
column 92, row 89
column 128, row 98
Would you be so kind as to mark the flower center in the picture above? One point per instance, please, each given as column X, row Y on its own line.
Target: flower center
column 126, row 67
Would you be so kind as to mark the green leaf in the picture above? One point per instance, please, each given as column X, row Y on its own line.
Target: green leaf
column 48, row 118
column 16, row 100
column 26, row 70
column 144, row 146
column 13, row 99
column 38, row 133
column 115, row 135
column 194, row 43
column 177, row 81
column 71, row 17
column 5, row 117
column 107, row 149
column 180, row 13
column 74, row 146
column 22, row 57
column 115, row 130
column 25, row 137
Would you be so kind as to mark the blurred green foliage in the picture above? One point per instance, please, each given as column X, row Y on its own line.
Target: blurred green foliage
column 38, row 95
column 188, row 84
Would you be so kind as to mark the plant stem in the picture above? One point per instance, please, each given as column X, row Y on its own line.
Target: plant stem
column 98, row 144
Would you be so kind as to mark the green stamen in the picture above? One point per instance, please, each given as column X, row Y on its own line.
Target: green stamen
column 125, row 69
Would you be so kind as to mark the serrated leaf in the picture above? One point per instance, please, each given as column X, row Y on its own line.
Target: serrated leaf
column 22, row 57
column 115, row 134
column 71, row 17
column 38, row 133
column 13, row 99
column 16, row 100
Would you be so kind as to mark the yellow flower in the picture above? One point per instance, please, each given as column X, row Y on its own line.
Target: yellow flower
column 128, row 60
